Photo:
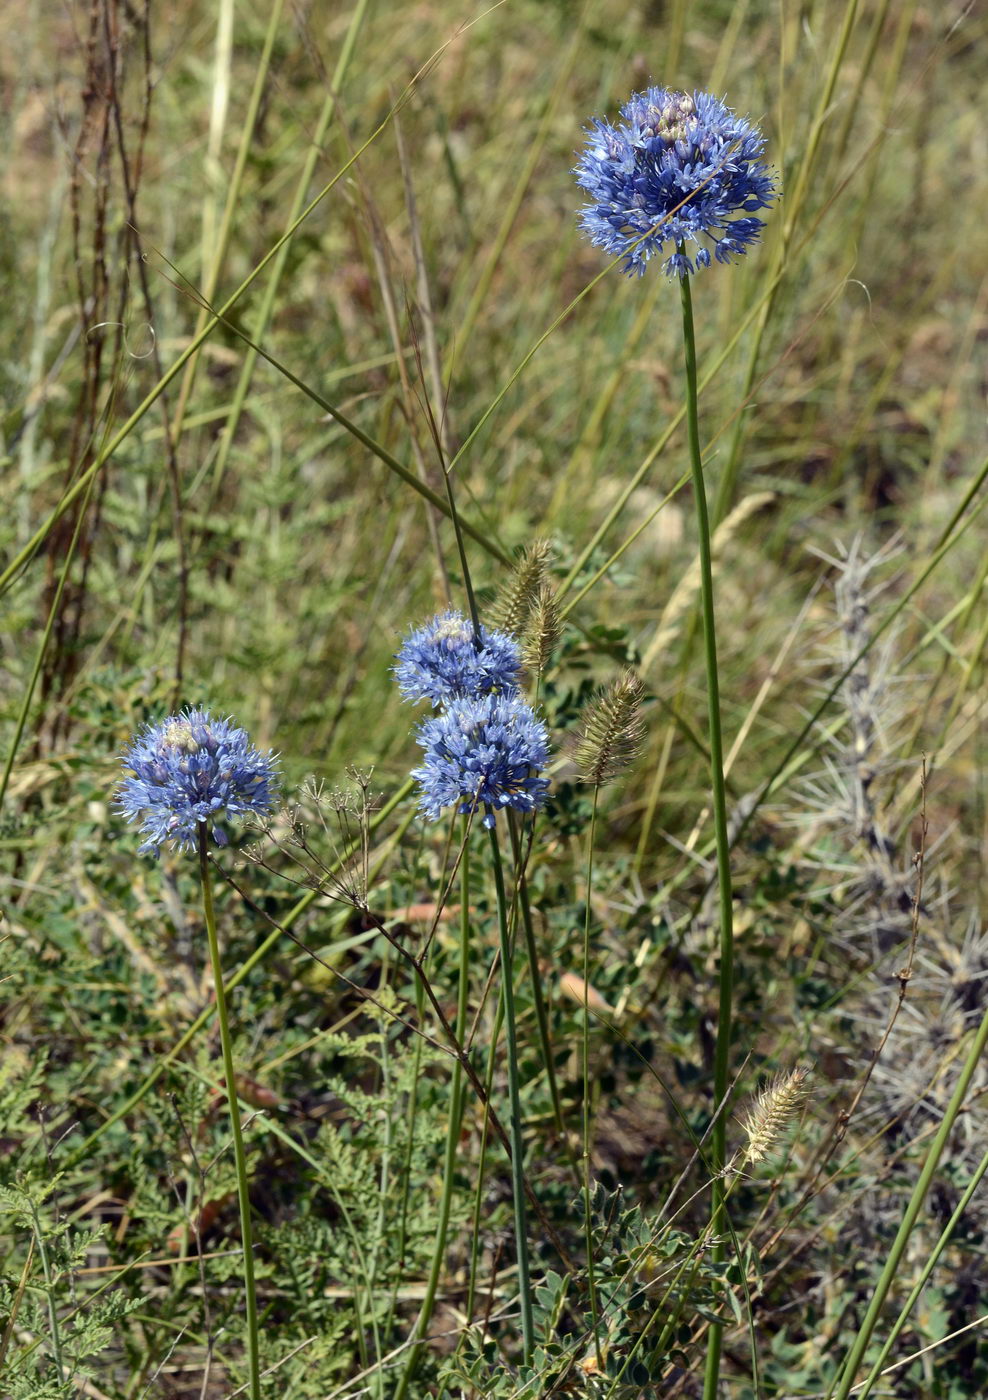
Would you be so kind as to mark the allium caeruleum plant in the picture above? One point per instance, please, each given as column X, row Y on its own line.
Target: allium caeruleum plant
column 483, row 752
column 682, row 169
column 188, row 773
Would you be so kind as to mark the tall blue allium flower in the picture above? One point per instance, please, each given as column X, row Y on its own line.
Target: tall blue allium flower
column 442, row 661
column 192, row 768
column 483, row 755
column 677, row 169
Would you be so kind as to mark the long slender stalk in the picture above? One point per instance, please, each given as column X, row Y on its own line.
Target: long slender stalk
column 719, row 803
column 538, row 999
column 514, row 1100
column 924, row 1277
column 485, row 1138
column 244, row 970
column 407, row 1166
column 239, row 1156
column 452, row 1132
column 587, row 1217
column 56, row 1338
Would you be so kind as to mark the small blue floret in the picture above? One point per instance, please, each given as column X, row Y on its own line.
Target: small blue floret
column 191, row 769
column 677, row 169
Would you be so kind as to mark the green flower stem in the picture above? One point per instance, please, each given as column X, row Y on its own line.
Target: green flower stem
column 587, row 1218
column 719, row 795
column 56, row 1340
column 485, row 1137
column 514, row 1098
column 85, row 1148
column 538, row 998
column 453, row 1130
column 407, row 1169
column 243, row 1189
column 909, row 1219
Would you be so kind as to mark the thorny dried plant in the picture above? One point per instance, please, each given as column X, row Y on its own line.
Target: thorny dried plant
column 914, row 1078
column 872, row 888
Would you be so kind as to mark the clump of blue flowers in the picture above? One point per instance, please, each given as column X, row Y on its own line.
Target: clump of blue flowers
column 677, row 169
column 483, row 755
column 189, row 769
column 442, row 661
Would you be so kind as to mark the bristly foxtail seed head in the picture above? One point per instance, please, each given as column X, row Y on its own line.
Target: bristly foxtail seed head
column 542, row 631
column 518, row 596
column 613, row 731
column 771, row 1110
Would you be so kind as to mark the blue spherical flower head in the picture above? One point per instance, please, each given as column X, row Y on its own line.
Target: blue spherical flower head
column 677, row 169
column 191, row 769
column 442, row 662
column 482, row 755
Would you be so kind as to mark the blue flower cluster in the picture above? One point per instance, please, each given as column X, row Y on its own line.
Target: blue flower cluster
column 484, row 749
column 483, row 755
column 442, row 660
column 677, row 169
column 191, row 769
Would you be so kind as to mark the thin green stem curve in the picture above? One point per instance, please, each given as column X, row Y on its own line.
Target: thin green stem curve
column 920, row 1190
column 719, row 796
column 240, row 1158
column 456, row 1099
column 514, row 1100
column 587, row 1193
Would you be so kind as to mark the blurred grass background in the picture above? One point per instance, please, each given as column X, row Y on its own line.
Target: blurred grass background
column 241, row 549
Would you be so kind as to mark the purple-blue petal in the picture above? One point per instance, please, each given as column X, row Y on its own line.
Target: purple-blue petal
column 669, row 148
column 483, row 755
column 446, row 660
column 189, row 769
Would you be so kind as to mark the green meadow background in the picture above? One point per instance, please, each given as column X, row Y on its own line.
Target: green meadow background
column 236, row 512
